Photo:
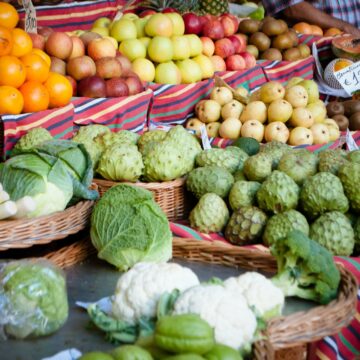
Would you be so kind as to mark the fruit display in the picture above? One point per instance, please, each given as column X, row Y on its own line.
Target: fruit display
column 271, row 39
column 27, row 82
column 293, row 114
column 275, row 191
column 346, row 114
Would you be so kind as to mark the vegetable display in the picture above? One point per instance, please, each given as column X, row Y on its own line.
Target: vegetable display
column 33, row 299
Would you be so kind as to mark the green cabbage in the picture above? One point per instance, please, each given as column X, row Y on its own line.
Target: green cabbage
column 31, row 139
column 44, row 178
column 128, row 226
column 33, row 299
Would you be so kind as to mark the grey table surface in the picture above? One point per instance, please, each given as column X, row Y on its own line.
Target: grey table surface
column 90, row 281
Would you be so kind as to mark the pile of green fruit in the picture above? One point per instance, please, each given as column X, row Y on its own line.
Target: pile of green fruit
column 126, row 156
column 259, row 195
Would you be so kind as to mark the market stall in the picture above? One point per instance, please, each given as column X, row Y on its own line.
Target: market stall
column 178, row 181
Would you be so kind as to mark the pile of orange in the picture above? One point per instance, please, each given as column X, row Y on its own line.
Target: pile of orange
column 26, row 82
column 305, row 28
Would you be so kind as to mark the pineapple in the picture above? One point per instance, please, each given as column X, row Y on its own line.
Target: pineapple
column 180, row 5
column 214, row 7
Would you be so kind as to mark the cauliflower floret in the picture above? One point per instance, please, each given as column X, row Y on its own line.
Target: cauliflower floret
column 139, row 290
column 224, row 309
column 261, row 294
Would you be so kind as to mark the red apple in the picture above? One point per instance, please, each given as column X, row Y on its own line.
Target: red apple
column 208, row 46
column 242, row 37
column 228, row 24
column 38, row 41
column 234, row 19
column 134, row 84
column 147, row 12
column 99, row 48
column 209, row 17
column 192, row 23
column 213, row 29
column 169, row 10
column 236, row 44
column 224, row 48
column 125, row 64
column 92, row 86
column 116, row 87
column 250, row 59
column 73, row 84
column 218, row 63
column 78, row 48
column 235, row 62
column 45, row 31
column 203, row 20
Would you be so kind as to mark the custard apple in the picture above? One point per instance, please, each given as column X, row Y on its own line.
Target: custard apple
column 243, row 193
column 121, row 163
column 258, row 167
column 209, row 179
column 278, row 193
column 246, row 226
column 32, row 138
column 220, row 157
column 331, row 160
column 299, row 165
column 278, row 226
column 349, row 175
column 239, row 175
column 210, row 214
column 333, row 231
column 275, row 149
column 240, row 154
column 150, row 137
column 90, row 132
column 354, row 156
column 94, row 151
column 321, row 193
column 110, row 139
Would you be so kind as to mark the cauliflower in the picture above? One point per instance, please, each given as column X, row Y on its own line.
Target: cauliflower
column 224, row 309
column 261, row 294
column 139, row 290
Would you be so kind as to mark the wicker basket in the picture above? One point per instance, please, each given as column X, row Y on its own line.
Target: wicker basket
column 286, row 337
column 24, row 233
column 170, row 195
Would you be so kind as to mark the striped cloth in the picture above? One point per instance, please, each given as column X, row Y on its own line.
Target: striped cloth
column 342, row 346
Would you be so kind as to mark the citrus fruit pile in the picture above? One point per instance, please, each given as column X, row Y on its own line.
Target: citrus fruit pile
column 26, row 82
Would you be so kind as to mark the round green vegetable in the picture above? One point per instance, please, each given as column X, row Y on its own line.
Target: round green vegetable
column 131, row 352
column 249, row 145
column 222, row 352
column 185, row 357
column 96, row 355
column 186, row 333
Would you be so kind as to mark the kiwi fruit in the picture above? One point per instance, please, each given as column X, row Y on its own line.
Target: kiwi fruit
column 284, row 25
column 354, row 121
column 342, row 121
column 260, row 40
column 272, row 54
column 249, row 26
column 292, row 54
column 304, row 50
column 351, row 107
column 252, row 49
column 282, row 42
column 272, row 27
column 293, row 35
column 334, row 108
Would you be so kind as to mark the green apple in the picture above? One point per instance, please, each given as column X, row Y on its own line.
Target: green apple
column 312, row 90
column 206, row 65
column 133, row 49
column 181, row 47
column 178, row 23
column 159, row 25
column 144, row 68
column 140, row 26
column 146, row 41
column 160, row 49
column 103, row 31
column 130, row 16
column 196, row 46
column 190, row 71
column 167, row 73
column 102, row 22
column 123, row 29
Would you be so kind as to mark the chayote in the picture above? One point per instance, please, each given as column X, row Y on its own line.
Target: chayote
column 131, row 352
column 222, row 352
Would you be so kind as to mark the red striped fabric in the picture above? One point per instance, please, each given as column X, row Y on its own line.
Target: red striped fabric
column 58, row 121
column 127, row 113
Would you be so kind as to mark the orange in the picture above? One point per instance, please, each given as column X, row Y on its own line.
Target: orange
column 43, row 54
column 22, row 42
column 303, row 28
column 11, row 100
column 341, row 64
column 36, row 67
column 36, row 97
column 12, row 71
column 6, row 41
column 317, row 30
column 59, row 88
column 332, row 32
column 8, row 15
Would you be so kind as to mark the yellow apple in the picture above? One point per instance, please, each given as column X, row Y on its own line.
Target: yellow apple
column 144, row 68
column 196, row 46
column 146, row 41
column 178, row 23
column 133, row 49
column 167, row 73
column 159, row 25
column 206, row 65
column 103, row 31
column 181, row 47
column 123, row 29
column 190, row 71
column 114, row 42
column 102, row 22
column 160, row 49
column 130, row 16
column 140, row 26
